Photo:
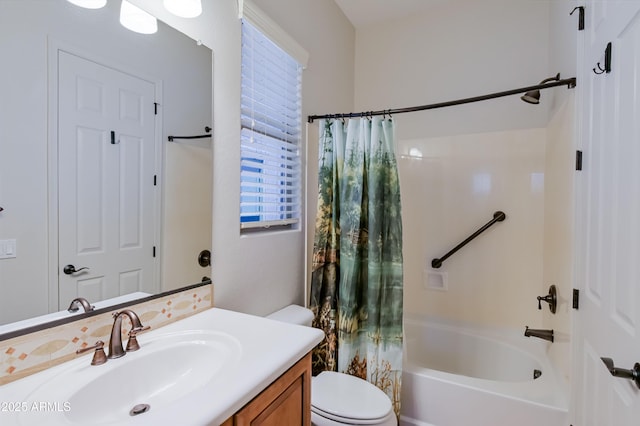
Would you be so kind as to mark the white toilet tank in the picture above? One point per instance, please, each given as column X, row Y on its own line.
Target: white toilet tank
column 354, row 405
column 293, row 314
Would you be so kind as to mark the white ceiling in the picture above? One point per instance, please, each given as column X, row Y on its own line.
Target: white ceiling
column 362, row 13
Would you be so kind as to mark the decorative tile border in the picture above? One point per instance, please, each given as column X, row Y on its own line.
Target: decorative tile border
column 25, row 355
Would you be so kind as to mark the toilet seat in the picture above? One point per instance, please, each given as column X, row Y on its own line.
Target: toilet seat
column 348, row 399
column 319, row 418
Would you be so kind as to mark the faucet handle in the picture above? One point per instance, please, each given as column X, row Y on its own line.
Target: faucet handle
column 132, row 344
column 551, row 299
column 137, row 330
column 99, row 357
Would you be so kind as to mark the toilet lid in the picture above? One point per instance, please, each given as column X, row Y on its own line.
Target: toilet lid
column 348, row 397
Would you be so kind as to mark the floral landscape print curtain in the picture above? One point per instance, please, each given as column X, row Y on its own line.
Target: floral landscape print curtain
column 357, row 278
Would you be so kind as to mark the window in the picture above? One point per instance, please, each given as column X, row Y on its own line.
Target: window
column 270, row 169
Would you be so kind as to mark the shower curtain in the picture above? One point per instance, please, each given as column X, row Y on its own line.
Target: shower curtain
column 357, row 277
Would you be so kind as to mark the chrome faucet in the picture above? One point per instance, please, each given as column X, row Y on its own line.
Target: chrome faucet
column 73, row 307
column 115, row 343
column 541, row 334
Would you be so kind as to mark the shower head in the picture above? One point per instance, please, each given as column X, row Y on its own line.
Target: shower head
column 533, row 96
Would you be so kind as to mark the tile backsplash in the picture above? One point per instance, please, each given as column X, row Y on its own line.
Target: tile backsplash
column 34, row 352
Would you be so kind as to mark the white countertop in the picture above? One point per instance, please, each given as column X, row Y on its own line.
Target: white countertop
column 268, row 349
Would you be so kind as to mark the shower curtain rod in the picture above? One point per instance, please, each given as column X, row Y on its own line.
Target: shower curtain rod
column 570, row 82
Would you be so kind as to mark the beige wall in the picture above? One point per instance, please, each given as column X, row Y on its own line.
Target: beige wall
column 457, row 50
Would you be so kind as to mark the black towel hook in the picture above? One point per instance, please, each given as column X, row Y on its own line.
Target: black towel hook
column 607, row 62
column 580, row 16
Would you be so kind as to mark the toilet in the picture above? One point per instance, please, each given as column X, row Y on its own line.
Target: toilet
column 339, row 399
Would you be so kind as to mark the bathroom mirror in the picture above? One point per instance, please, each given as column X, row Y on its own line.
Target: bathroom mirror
column 155, row 197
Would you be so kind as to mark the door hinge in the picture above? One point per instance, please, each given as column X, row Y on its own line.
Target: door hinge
column 578, row 160
column 576, row 298
column 155, row 108
column 154, row 251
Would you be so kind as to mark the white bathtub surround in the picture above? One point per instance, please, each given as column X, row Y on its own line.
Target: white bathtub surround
column 452, row 190
column 487, row 370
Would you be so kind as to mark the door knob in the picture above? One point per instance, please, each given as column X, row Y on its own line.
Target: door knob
column 70, row 269
column 633, row 374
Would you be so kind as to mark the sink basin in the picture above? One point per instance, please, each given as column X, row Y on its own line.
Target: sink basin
column 199, row 370
column 167, row 368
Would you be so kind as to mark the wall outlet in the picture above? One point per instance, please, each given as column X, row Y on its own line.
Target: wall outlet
column 7, row 249
column 434, row 280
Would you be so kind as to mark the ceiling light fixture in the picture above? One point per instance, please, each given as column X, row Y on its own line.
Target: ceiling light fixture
column 89, row 4
column 136, row 19
column 184, row 8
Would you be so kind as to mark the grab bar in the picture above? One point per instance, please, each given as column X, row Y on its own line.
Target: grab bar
column 497, row 217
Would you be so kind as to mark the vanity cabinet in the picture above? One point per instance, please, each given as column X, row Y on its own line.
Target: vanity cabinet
column 286, row 402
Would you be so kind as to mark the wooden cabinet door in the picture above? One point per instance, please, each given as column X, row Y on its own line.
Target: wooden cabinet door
column 286, row 402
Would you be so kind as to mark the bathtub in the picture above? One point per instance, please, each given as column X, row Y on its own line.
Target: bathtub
column 461, row 375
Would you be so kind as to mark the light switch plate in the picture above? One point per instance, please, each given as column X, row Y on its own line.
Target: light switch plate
column 7, row 249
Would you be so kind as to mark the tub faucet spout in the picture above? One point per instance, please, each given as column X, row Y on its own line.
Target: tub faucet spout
column 541, row 334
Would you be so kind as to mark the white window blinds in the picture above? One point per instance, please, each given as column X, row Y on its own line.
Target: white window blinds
column 271, row 126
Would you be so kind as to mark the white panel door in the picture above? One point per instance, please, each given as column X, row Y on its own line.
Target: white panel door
column 608, row 217
column 106, row 167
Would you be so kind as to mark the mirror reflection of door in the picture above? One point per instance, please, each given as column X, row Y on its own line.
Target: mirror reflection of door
column 106, row 164
column 31, row 34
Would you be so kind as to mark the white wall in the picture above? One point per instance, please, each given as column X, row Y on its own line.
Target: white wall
column 262, row 273
column 26, row 28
